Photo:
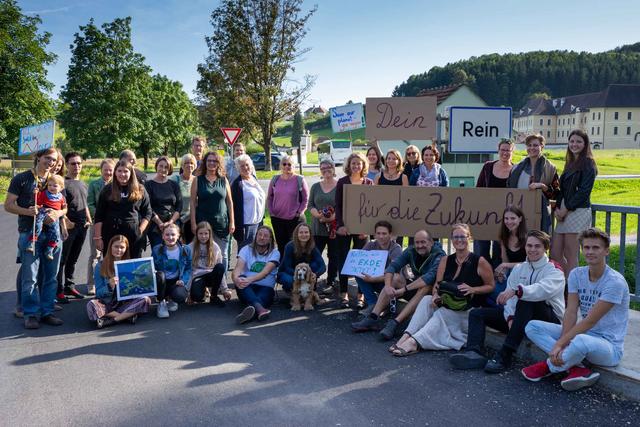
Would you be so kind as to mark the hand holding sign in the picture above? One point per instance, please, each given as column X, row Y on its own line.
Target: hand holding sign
column 360, row 262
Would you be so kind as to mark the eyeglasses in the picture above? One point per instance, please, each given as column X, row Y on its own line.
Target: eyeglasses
column 459, row 237
column 412, row 154
column 212, row 161
column 287, row 164
column 327, row 168
column 392, row 305
column 505, row 150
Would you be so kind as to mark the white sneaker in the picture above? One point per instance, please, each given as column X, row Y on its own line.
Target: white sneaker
column 172, row 306
column 162, row 312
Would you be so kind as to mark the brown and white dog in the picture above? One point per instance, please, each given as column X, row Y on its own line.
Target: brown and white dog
column 304, row 288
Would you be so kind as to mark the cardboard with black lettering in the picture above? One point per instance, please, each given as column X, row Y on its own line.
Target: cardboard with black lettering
column 401, row 118
column 435, row 209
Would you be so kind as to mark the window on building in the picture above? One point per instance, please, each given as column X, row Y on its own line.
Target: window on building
column 541, row 120
column 599, row 116
column 558, row 133
column 549, row 133
column 592, row 133
column 593, row 117
column 574, row 120
column 548, row 122
column 629, row 115
column 628, row 130
column 615, row 130
column 598, row 130
column 615, row 116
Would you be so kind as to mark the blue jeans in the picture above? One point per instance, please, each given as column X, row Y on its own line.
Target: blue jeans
column 286, row 280
column 223, row 244
column 369, row 290
column 595, row 349
column 38, row 296
column 249, row 232
column 256, row 294
column 51, row 231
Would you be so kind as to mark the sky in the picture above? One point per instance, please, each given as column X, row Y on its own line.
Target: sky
column 359, row 48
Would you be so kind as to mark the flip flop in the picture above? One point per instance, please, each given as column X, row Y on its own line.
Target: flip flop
column 344, row 303
column 393, row 348
column 404, row 353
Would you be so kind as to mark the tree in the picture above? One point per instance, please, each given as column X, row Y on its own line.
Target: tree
column 173, row 119
column 254, row 47
column 297, row 130
column 23, row 75
column 105, row 92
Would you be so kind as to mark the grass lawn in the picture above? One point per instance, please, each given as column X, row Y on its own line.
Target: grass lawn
column 610, row 162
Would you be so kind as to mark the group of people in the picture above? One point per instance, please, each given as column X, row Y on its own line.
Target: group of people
column 188, row 220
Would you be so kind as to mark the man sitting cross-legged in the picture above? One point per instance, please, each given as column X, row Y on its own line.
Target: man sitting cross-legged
column 422, row 259
column 602, row 296
column 535, row 290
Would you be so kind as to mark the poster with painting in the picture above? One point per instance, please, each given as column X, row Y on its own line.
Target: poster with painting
column 136, row 278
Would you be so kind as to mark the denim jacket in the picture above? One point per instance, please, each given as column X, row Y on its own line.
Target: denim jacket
column 160, row 260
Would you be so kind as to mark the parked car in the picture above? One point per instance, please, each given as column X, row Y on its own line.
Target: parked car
column 259, row 163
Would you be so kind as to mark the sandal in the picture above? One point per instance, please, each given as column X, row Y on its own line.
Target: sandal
column 393, row 348
column 401, row 352
column 344, row 303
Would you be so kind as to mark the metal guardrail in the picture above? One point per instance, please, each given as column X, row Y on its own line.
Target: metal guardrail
column 623, row 211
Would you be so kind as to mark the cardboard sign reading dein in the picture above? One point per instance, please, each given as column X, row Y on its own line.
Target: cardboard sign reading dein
column 401, row 118
column 360, row 261
column 435, row 209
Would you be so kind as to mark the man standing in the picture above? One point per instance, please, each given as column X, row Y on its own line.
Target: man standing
column 602, row 296
column 37, row 299
column 232, row 173
column 198, row 148
column 79, row 219
column 130, row 156
column 535, row 291
column 422, row 260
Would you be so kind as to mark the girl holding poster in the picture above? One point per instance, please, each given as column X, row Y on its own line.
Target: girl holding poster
column 105, row 310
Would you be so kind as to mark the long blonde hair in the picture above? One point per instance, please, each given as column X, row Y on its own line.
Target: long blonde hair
column 107, row 268
column 211, row 254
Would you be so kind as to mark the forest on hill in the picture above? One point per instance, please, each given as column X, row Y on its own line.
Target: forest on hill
column 511, row 79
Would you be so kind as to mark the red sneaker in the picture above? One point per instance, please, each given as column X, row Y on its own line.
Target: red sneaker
column 579, row 377
column 536, row 372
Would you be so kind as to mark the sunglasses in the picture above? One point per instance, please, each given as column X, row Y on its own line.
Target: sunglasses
column 459, row 237
column 412, row 154
column 287, row 164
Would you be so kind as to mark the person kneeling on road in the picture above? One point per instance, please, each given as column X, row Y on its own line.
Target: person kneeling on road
column 602, row 296
column 422, row 259
column 535, row 291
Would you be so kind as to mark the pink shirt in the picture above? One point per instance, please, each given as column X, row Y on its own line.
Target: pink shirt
column 283, row 198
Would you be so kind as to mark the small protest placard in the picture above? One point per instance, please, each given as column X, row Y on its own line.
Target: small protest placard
column 360, row 261
column 347, row 117
column 136, row 278
column 36, row 137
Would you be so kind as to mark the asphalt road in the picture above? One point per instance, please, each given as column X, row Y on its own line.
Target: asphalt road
column 199, row 367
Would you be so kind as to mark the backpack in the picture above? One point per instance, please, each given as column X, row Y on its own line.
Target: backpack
column 275, row 179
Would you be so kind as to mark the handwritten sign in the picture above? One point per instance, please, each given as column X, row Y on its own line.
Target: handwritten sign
column 347, row 117
column 401, row 118
column 360, row 261
column 410, row 209
column 36, row 137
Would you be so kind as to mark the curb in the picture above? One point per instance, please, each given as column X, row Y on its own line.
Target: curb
column 618, row 380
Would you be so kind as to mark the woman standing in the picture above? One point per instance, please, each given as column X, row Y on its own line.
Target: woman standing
column 494, row 174
column 106, row 310
column 287, row 200
column 123, row 208
column 93, row 194
column 411, row 160
column 248, row 201
column 573, row 204
column 535, row 172
column 211, row 201
column 355, row 169
column 376, row 163
column 435, row 326
column 322, row 205
column 184, row 179
column 430, row 173
column 301, row 249
column 165, row 199
column 393, row 175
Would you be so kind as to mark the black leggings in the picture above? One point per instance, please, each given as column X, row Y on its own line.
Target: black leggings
column 167, row 288
column 210, row 280
column 283, row 231
column 332, row 255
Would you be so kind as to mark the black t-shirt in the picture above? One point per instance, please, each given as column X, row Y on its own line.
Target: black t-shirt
column 23, row 185
column 125, row 211
column 165, row 198
column 76, row 195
